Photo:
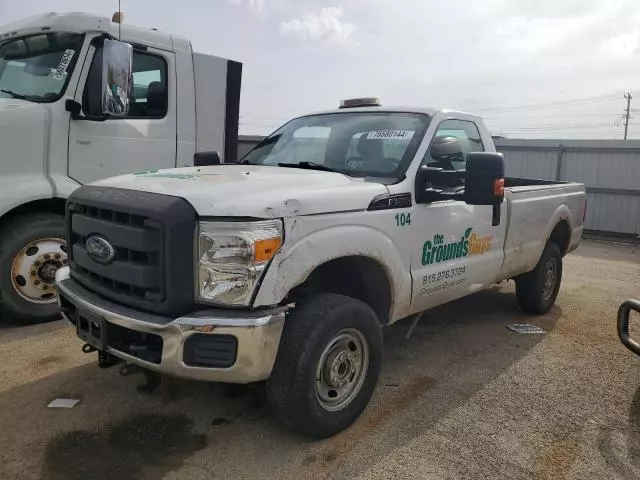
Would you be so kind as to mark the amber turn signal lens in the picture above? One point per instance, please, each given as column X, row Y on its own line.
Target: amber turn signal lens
column 265, row 249
column 498, row 187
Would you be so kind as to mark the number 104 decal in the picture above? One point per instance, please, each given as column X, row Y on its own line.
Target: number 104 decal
column 403, row 219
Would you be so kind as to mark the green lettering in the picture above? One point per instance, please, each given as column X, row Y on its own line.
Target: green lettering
column 439, row 253
column 426, row 252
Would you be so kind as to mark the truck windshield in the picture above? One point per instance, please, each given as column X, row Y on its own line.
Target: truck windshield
column 376, row 144
column 37, row 67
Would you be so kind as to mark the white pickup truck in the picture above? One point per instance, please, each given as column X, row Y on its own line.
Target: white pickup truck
column 55, row 134
column 287, row 266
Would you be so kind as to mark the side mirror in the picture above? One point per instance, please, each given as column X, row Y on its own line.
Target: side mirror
column 117, row 68
column 203, row 159
column 484, row 179
column 427, row 175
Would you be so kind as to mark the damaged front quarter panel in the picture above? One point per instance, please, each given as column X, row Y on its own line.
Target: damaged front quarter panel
column 315, row 240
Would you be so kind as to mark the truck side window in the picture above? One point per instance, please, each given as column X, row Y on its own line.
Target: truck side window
column 451, row 144
column 149, row 93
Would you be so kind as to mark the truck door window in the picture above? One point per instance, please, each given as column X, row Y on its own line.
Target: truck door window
column 463, row 136
column 149, row 93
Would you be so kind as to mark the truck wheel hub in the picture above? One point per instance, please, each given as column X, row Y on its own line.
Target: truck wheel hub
column 549, row 279
column 342, row 369
column 34, row 269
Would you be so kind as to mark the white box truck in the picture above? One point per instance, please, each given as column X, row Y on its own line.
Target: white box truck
column 56, row 136
column 287, row 266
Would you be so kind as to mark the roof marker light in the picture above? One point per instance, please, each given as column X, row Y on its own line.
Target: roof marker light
column 360, row 102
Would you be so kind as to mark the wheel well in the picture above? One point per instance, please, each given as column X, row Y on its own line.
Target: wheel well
column 45, row 205
column 561, row 236
column 358, row 277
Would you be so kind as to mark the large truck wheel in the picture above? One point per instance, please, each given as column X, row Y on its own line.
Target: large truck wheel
column 537, row 290
column 32, row 248
column 327, row 365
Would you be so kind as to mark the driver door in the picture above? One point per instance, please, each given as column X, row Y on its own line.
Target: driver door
column 455, row 250
column 144, row 139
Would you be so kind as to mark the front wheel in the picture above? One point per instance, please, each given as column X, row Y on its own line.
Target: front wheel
column 537, row 290
column 327, row 365
column 32, row 248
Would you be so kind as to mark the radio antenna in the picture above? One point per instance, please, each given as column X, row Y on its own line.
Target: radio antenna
column 119, row 21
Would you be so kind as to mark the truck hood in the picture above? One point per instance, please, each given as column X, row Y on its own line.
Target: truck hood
column 255, row 191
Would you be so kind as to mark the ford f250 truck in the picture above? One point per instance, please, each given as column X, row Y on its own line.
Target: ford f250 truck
column 287, row 266
column 55, row 135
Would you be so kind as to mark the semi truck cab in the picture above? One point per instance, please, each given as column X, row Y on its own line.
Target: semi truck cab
column 55, row 134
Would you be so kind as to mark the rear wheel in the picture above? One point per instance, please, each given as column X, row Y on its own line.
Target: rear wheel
column 327, row 365
column 537, row 290
column 32, row 248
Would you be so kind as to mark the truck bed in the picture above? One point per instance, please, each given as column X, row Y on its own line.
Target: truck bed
column 526, row 182
column 534, row 209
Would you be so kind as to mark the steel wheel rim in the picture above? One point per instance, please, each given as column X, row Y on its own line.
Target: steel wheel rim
column 34, row 267
column 550, row 273
column 342, row 369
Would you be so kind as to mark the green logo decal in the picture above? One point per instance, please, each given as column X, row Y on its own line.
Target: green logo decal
column 437, row 251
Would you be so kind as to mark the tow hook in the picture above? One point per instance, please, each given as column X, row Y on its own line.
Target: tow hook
column 86, row 348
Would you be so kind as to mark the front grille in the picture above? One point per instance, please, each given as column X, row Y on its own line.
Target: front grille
column 137, row 242
column 152, row 239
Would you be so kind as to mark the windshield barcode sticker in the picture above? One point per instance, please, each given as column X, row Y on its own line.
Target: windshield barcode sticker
column 61, row 69
column 392, row 134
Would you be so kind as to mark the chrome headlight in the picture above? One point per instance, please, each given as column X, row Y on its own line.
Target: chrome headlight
column 232, row 257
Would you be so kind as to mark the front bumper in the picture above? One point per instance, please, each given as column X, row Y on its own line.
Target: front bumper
column 255, row 335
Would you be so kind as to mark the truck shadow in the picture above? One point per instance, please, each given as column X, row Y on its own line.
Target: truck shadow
column 116, row 432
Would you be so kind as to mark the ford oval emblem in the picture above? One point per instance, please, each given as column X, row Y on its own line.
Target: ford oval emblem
column 100, row 249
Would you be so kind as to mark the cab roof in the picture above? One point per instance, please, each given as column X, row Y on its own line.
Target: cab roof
column 78, row 22
column 399, row 109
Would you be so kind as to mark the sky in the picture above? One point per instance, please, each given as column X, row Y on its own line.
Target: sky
column 531, row 68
